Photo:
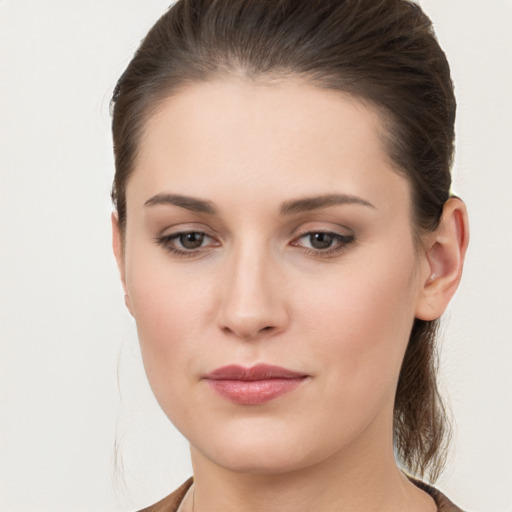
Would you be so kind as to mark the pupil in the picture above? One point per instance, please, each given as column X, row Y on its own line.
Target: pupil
column 321, row 240
column 191, row 240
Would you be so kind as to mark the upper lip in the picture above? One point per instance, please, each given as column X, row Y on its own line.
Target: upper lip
column 258, row 372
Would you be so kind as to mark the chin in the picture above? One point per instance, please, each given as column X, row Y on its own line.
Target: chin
column 262, row 450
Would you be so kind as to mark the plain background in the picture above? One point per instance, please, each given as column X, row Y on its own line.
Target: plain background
column 72, row 385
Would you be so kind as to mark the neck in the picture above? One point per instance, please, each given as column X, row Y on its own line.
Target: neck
column 360, row 479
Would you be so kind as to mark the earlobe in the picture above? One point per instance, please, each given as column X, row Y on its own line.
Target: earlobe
column 117, row 246
column 445, row 253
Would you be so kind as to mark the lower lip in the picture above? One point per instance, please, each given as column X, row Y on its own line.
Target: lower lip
column 254, row 392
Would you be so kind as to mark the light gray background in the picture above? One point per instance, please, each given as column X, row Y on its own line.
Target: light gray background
column 71, row 380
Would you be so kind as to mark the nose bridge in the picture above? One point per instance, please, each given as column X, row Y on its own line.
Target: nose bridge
column 252, row 302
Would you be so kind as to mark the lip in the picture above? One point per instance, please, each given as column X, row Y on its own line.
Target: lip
column 253, row 386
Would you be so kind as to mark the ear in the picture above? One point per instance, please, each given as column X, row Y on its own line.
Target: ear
column 444, row 252
column 117, row 246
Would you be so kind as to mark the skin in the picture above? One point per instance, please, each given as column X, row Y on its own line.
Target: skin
column 258, row 289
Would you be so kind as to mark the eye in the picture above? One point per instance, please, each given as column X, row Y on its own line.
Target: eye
column 186, row 243
column 323, row 242
column 192, row 240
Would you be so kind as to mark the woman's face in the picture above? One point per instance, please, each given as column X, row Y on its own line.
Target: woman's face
column 266, row 226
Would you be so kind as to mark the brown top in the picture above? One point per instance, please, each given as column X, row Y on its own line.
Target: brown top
column 172, row 502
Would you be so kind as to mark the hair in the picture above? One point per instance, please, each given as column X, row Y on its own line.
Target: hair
column 383, row 52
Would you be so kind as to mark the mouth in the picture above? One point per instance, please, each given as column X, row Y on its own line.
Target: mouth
column 253, row 386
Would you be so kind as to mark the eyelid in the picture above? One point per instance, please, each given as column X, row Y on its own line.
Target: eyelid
column 322, row 227
column 184, row 227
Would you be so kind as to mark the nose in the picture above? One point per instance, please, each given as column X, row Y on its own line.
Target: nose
column 253, row 301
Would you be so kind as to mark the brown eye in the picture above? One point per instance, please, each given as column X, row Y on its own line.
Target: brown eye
column 321, row 240
column 192, row 240
column 187, row 243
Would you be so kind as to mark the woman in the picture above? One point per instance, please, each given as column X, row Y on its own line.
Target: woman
column 287, row 241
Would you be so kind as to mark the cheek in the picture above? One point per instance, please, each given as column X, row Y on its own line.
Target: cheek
column 364, row 320
column 170, row 308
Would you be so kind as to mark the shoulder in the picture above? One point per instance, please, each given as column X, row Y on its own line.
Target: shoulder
column 171, row 502
column 442, row 502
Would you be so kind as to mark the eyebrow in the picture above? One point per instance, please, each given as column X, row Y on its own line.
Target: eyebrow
column 287, row 208
column 318, row 202
column 187, row 202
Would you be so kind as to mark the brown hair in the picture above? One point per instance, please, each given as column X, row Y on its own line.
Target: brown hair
column 382, row 51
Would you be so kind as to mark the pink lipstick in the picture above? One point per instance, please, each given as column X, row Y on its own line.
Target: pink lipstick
column 253, row 386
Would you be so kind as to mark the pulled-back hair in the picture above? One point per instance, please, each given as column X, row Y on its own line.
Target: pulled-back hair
column 383, row 52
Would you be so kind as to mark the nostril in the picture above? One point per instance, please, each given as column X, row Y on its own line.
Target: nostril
column 247, row 333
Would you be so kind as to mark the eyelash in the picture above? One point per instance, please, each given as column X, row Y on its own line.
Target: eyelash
column 166, row 241
column 341, row 242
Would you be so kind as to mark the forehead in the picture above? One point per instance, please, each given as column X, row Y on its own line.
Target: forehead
column 271, row 138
